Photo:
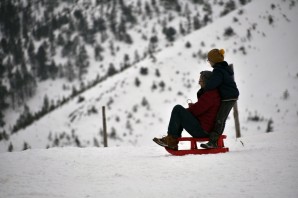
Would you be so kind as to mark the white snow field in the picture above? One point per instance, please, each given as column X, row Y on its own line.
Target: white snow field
column 266, row 166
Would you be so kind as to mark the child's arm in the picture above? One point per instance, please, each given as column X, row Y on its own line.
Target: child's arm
column 214, row 81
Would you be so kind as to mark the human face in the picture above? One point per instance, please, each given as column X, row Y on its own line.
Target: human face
column 201, row 82
column 210, row 62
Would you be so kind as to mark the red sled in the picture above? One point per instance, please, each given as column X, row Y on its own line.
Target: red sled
column 194, row 148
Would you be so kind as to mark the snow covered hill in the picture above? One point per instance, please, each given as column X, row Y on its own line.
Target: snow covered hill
column 68, row 45
column 261, row 168
column 61, row 38
column 259, row 42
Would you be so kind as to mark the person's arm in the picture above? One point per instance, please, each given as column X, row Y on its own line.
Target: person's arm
column 199, row 93
column 214, row 81
column 202, row 105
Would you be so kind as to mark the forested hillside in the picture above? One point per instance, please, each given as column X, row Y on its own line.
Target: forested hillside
column 73, row 45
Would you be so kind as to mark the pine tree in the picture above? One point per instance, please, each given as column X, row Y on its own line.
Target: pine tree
column 112, row 48
column 2, row 69
column 139, row 7
column 99, row 25
column 170, row 34
column 98, row 49
column 9, row 19
column 243, row 2
column 269, row 126
column 5, row 46
column 128, row 14
column 182, row 30
column 157, row 73
column 169, row 4
column 18, row 52
column 188, row 45
column 30, row 85
column 153, row 44
column 74, row 91
column 18, row 86
column 3, row 103
column 145, row 103
column 4, row 136
column 148, row 10
column 53, row 70
column 26, row 146
column 144, row 71
column 30, row 51
column 78, row 142
column 82, row 61
column 162, row 85
column 67, row 49
column 196, row 23
column 126, row 61
column 2, row 123
column 46, row 104
column 69, row 71
column 41, row 57
column 111, row 70
column 137, row 82
column 60, row 40
column 10, row 147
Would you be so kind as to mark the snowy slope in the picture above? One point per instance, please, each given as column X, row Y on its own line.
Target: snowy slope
column 262, row 168
column 136, row 114
column 146, row 26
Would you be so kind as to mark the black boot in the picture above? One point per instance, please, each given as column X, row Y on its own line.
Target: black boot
column 209, row 145
column 212, row 142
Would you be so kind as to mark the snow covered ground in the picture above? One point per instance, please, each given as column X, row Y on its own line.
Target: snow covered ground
column 260, row 168
column 266, row 166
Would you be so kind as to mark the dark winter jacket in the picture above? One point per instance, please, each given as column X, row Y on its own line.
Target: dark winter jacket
column 223, row 79
column 206, row 108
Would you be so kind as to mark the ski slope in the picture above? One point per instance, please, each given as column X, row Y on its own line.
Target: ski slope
column 260, row 168
column 265, row 165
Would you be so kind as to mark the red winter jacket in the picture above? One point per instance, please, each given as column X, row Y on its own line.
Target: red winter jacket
column 206, row 108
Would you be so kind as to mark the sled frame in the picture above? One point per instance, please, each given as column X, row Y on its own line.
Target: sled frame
column 194, row 148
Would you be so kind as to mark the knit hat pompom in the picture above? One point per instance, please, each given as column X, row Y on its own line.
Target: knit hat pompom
column 222, row 51
column 216, row 55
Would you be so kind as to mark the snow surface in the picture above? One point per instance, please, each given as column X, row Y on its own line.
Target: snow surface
column 260, row 168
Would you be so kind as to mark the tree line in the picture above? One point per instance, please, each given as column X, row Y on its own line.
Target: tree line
column 29, row 44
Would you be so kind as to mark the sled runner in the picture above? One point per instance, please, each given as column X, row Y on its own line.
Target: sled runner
column 194, row 148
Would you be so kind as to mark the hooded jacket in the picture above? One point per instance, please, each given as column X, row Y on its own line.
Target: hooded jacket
column 223, row 79
column 206, row 108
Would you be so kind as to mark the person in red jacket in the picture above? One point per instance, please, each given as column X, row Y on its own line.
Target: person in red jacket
column 198, row 119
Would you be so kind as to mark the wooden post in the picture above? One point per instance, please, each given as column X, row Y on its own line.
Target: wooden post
column 236, row 115
column 236, row 118
column 105, row 138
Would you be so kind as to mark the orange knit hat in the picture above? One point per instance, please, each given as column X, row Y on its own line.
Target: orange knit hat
column 216, row 55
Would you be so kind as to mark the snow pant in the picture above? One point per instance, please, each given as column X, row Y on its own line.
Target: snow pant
column 181, row 119
column 221, row 117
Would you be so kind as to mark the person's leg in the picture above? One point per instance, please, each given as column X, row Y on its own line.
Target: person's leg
column 222, row 115
column 181, row 119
